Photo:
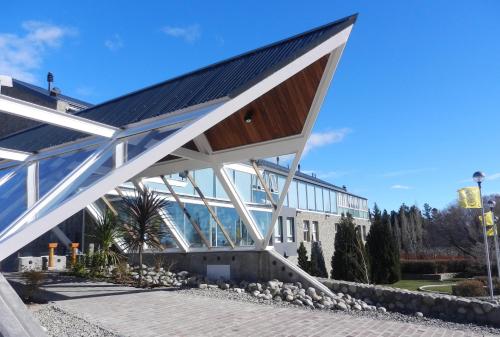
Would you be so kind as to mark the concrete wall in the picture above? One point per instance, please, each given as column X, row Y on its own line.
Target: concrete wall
column 249, row 266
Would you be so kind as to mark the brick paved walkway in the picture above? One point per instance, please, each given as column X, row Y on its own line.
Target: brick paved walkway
column 132, row 312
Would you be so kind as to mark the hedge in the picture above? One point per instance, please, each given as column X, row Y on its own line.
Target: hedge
column 440, row 266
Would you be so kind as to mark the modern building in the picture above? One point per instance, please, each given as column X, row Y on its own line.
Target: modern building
column 201, row 140
column 310, row 211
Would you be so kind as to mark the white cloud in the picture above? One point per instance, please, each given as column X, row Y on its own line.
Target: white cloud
column 21, row 55
column 320, row 139
column 188, row 34
column 494, row 176
column 114, row 43
column 400, row 187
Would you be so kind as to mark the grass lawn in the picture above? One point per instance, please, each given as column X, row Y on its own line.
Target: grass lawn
column 415, row 284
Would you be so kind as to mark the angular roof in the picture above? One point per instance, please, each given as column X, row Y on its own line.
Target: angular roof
column 224, row 79
column 36, row 95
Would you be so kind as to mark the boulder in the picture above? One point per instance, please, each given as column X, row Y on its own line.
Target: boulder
column 341, row 306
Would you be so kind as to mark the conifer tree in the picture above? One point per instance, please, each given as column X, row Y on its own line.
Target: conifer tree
column 349, row 262
column 383, row 250
column 318, row 267
column 303, row 259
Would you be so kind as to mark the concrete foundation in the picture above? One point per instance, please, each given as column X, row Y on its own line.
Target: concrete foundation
column 252, row 266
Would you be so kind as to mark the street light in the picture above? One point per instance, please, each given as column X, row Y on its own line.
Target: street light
column 492, row 203
column 478, row 178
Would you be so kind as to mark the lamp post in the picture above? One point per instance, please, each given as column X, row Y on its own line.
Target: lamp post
column 491, row 204
column 478, row 178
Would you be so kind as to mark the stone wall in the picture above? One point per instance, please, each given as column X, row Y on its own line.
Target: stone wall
column 451, row 308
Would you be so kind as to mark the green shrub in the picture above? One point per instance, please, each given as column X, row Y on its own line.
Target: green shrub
column 437, row 266
column 33, row 279
column 469, row 288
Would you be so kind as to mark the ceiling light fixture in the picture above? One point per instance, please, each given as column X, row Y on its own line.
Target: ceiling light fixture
column 248, row 117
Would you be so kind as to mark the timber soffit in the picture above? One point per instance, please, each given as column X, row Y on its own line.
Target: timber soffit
column 224, row 79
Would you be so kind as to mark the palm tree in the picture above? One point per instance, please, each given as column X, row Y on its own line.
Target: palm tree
column 106, row 231
column 142, row 222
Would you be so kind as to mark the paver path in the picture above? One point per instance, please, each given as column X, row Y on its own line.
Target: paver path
column 133, row 312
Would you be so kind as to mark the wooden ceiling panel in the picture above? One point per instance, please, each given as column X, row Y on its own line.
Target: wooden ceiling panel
column 281, row 112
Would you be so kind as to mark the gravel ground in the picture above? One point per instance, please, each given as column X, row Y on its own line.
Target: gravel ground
column 388, row 316
column 60, row 323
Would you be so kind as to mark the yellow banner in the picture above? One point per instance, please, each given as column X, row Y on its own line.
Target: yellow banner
column 490, row 232
column 488, row 218
column 469, row 197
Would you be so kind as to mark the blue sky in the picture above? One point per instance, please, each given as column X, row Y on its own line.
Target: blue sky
column 412, row 112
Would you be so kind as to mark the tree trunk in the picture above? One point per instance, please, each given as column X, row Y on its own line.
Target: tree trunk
column 140, row 265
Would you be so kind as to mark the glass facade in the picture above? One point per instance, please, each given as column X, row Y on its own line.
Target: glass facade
column 13, row 197
column 53, row 170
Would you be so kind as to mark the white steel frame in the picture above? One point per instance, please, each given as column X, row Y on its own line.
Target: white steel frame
column 19, row 235
column 42, row 114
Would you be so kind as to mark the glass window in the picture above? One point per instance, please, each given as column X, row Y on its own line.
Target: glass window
column 292, row 195
column 53, row 170
column 258, row 193
column 281, row 185
column 311, row 199
column 205, row 181
column 230, row 220
column 272, row 182
column 183, row 224
column 326, row 200
column 333, row 201
column 307, row 234
column 315, row 231
column 290, row 229
column 12, row 197
column 278, row 230
column 243, row 183
column 319, row 198
column 263, row 220
column 137, row 145
column 219, row 190
column 184, row 187
column 302, row 195
column 103, row 165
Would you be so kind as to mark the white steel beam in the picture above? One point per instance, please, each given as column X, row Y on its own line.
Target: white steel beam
column 13, row 154
column 190, row 154
column 32, row 184
column 120, row 155
column 19, row 108
column 186, row 212
column 321, row 92
column 238, row 204
column 263, row 183
column 210, row 210
column 195, row 162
